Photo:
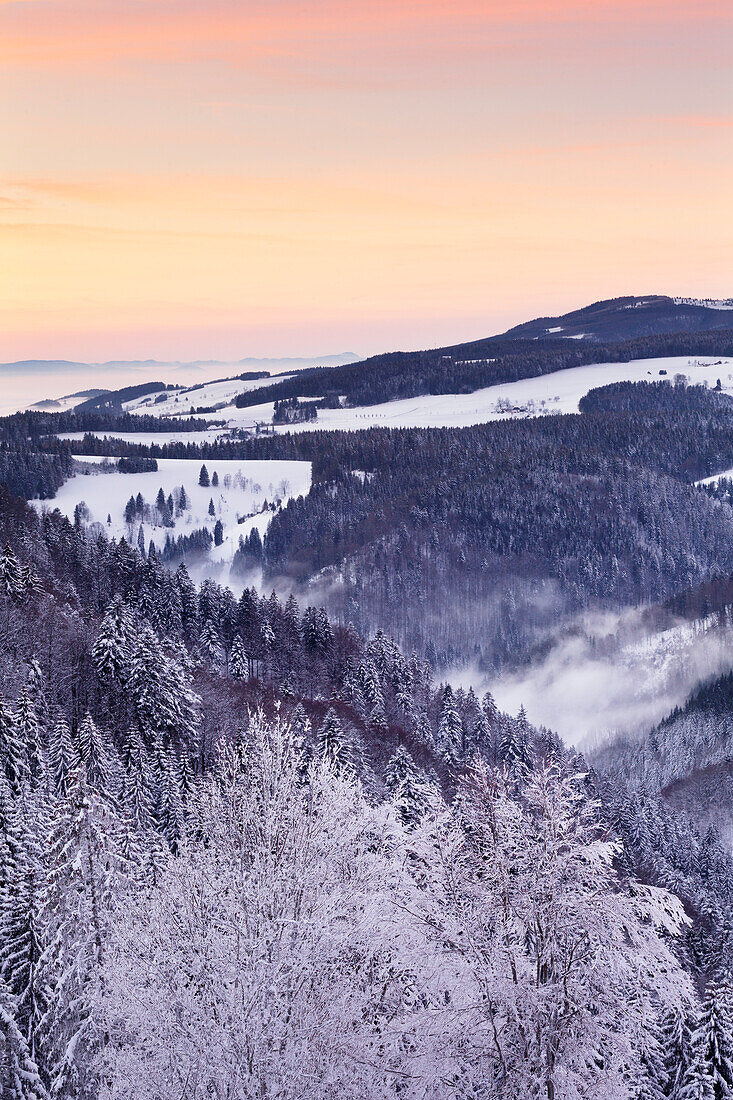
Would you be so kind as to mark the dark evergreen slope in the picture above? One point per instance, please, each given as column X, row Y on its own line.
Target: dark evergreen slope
column 153, row 831
column 686, row 761
column 495, row 531
column 463, row 368
column 556, row 514
column 627, row 318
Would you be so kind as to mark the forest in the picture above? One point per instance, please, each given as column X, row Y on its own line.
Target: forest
column 245, row 848
column 559, row 513
column 463, row 368
column 258, row 845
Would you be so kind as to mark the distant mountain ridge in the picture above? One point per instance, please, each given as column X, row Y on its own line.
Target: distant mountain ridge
column 628, row 317
column 41, row 365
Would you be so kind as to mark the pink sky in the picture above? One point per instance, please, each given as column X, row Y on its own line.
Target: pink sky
column 210, row 178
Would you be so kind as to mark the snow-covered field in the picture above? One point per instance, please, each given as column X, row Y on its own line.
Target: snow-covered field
column 64, row 404
column 715, row 477
column 184, row 402
column 243, row 488
column 559, row 392
column 147, row 438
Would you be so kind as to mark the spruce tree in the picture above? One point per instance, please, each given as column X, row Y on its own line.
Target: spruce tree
column 238, row 665
column 28, row 730
column 331, row 744
column 19, row 1076
column 450, row 729
column 653, row 1076
column 13, row 755
column 10, row 578
column 93, row 753
column 697, row 1083
column 23, row 970
column 714, row 1038
column 406, row 789
column 111, row 649
column 63, row 758
column 210, row 644
column 204, row 477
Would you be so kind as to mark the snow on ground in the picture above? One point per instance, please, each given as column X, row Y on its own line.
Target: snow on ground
column 559, row 392
column 707, row 303
column 715, row 478
column 184, row 402
column 64, row 404
column 244, row 486
column 147, row 438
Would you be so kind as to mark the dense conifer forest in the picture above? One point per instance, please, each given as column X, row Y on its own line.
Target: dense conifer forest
column 258, row 845
column 463, row 368
column 558, row 512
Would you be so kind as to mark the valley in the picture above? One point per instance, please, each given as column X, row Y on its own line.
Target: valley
column 392, row 656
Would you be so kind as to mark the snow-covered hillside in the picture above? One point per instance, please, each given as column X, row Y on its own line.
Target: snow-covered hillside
column 706, row 303
column 559, row 392
column 238, row 499
column 183, row 402
column 64, row 404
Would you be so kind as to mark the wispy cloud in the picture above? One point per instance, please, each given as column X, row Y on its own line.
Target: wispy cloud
column 290, row 31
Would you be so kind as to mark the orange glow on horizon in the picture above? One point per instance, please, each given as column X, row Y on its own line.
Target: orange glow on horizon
column 199, row 179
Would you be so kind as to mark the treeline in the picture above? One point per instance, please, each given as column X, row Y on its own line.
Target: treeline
column 30, row 474
column 464, row 368
column 232, row 824
column 558, row 512
column 34, row 425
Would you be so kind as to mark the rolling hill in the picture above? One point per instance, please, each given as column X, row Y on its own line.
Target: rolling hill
column 627, row 318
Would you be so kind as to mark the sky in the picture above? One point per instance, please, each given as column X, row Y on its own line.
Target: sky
column 186, row 179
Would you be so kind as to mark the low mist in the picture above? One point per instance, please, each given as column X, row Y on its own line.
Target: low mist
column 611, row 677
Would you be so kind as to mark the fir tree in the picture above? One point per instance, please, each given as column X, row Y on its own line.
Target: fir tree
column 450, row 729
column 210, row 644
column 13, row 755
column 22, row 956
column 204, row 477
column 714, row 1038
column 29, row 733
column 19, row 1076
column 93, row 754
column 111, row 649
column 515, row 748
column 406, row 789
column 63, row 758
column 10, row 578
column 238, row 664
column 331, row 744
column 697, row 1083
column 653, row 1076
